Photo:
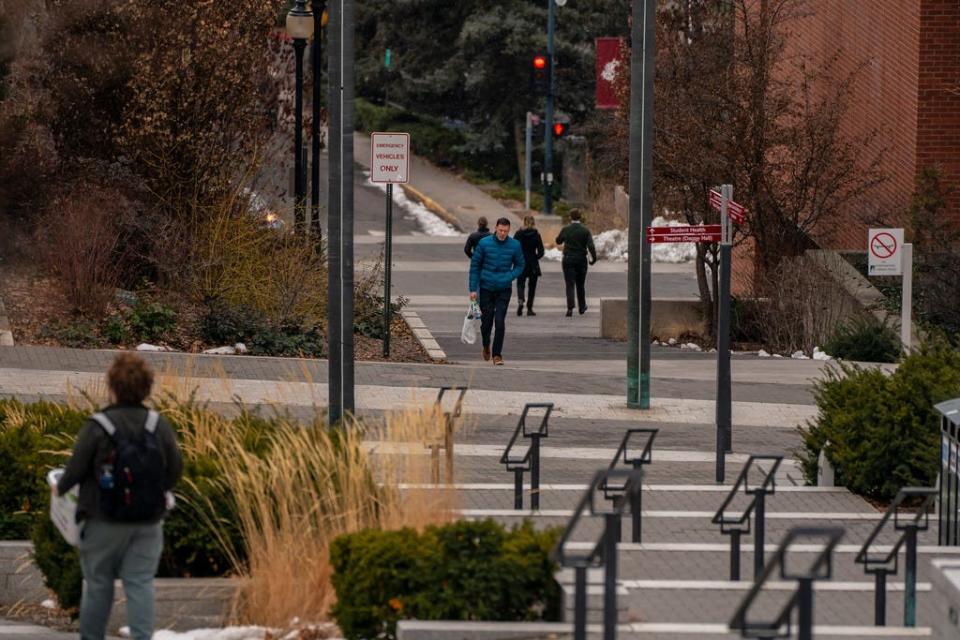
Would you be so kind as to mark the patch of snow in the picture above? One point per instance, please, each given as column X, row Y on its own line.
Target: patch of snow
column 712, row 351
column 672, row 341
column 821, row 355
column 240, row 347
column 124, row 632
column 799, row 355
column 612, row 245
column 227, row 633
column 554, row 255
column 221, row 351
column 48, row 604
column 691, row 346
column 151, row 347
column 431, row 223
column 763, row 354
column 777, row 355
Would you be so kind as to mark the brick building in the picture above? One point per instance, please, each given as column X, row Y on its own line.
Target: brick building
column 908, row 89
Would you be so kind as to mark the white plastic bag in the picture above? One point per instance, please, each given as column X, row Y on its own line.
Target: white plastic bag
column 471, row 325
column 63, row 509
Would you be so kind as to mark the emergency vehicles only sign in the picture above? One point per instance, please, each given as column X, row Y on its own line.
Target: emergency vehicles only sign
column 389, row 157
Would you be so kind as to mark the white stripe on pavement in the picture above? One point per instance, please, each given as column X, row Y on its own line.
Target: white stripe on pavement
column 693, row 488
column 770, row 515
column 746, row 585
column 570, row 453
column 712, row 547
column 692, row 628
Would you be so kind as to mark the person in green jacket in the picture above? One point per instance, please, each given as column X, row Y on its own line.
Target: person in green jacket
column 577, row 241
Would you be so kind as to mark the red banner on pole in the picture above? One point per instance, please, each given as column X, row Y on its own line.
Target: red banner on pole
column 609, row 66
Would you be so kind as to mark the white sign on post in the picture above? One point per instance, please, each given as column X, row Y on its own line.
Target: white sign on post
column 389, row 157
column 885, row 252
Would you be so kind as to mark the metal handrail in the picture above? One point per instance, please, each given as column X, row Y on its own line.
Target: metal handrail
column 881, row 567
column 604, row 553
column 801, row 600
column 735, row 527
column 449, row 418
column 531, row 459
column 635, row 462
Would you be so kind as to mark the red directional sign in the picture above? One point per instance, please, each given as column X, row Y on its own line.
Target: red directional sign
column 736, row 211
column 698, row 233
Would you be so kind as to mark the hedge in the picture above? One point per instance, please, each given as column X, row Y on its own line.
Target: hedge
column 460, row 571
column 882, row 429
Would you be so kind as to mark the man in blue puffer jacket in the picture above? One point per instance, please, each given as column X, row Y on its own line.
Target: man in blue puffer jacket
column 496, row 263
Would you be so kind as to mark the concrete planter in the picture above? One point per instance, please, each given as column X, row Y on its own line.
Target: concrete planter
column 181, row 603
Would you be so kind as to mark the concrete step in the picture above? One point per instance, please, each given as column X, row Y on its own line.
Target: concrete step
column 686, row 561
column 695, row 526
column 445, row 630
column 666, row 497
column 715, row 601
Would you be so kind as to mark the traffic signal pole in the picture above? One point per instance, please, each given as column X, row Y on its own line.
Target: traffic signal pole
column 548, row 128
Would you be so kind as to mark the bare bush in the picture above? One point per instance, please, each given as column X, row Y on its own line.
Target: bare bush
column 81, row 239
column 804, row 305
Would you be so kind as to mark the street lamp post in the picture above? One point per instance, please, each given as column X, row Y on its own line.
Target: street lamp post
column 548, row 127
column 300, row 28
column 319, row 20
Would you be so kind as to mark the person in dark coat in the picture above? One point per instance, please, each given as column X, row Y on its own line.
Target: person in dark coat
column 475, row 237
column 532, row 245
column 577, row 241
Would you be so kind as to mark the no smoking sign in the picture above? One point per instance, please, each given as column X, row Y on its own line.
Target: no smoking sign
column 885, row 252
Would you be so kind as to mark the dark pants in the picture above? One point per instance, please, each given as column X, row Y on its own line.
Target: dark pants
column 531, row 294
column 493, row 306
column 575, row 275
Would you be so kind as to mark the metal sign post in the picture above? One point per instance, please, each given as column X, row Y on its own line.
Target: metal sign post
column 724, row 400
column 390, row 164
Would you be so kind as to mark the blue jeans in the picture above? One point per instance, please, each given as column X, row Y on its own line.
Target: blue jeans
column 493, row 306
column 130, row 552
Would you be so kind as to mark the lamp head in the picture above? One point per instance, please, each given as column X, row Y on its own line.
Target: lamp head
column 299, row 21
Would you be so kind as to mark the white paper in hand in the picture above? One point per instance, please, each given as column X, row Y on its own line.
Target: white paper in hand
column 63, row 509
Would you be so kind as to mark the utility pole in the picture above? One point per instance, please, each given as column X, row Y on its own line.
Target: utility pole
column 340, row 212
column 318, row 8
column 548, row 128
column 639, row 300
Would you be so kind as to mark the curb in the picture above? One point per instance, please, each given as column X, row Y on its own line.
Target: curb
column 423, row 335
column 432, row 205
column 6, row 334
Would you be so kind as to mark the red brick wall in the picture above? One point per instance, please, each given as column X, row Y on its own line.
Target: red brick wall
column 938, row 128
column 883, row 36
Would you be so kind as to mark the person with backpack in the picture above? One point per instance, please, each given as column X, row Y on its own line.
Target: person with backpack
column 126, row 461
column 474, row 238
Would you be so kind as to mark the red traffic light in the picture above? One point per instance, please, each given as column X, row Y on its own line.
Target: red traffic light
column 539, row 62
column 559, row 128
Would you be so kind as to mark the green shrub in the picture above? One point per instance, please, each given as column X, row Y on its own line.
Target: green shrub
column 460, row 571
column 883, row 431
column 59, row 563
column 864, row 339
column 225, row 324
column 288, row 339
column 116, row 331
column 76, row 333
column 30, row 437
column 152, row 321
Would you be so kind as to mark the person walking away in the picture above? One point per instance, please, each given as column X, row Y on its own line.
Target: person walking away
column 126, row 461
column 496, row 263
column 475, row 237
column 532, row 245
column 577, row 241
